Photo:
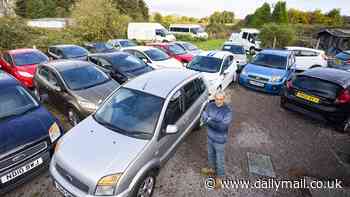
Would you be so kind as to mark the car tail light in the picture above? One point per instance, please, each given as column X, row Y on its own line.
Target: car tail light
column 344, row 97
column 289, row 85
column 347, row 62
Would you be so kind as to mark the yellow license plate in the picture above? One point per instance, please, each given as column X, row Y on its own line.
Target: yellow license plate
column 337, row 61
column 308, row 97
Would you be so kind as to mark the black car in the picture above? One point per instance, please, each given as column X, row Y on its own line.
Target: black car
column 76, row 87
column 322, row 93
column 67, row 51
column 121, row 66
column 28, row 134
column 99, row 47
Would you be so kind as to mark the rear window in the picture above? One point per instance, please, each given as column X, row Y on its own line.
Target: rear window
column 317, row 87
column 30, row 58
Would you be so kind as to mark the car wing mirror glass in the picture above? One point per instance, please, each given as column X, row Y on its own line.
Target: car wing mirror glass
column 171, row 129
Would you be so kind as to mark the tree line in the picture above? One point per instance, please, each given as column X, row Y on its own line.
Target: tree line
column 280, row 15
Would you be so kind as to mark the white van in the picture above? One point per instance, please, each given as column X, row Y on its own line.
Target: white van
column 249, row 38
column 195, row 31
column 154, row 32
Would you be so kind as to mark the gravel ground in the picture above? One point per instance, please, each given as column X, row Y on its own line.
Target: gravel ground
column 296, row 145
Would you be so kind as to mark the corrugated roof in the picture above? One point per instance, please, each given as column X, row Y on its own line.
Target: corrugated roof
column 337, row 32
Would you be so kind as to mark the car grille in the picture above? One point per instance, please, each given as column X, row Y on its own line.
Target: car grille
column 22, row 156
column 257, row 78
column 71, row 179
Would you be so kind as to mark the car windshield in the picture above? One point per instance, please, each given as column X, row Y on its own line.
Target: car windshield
column 197, row 30
column 103, row 46
column 176, row 49
column 74, row 52
column 157, row 55
column 30, row 58
column 205, row 64
column 127, row 62
column 127, row 43
column 131, row 112
column 190, row 47
column 15, row 101
column 235, row 49
column 343, row 56
column 269, row 60
column 75, row 80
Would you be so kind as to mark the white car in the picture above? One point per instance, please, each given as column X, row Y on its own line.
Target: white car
column 219, row 69
column 238, row 51
column 249, row 38
column 154, row 57
column 307, row 58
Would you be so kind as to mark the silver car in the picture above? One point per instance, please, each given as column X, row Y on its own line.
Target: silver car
column 119, row 150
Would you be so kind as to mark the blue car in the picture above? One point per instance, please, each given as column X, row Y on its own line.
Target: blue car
column 28, row 133
column 268, row 71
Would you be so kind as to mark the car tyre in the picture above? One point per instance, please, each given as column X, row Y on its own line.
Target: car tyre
column 73, row 116
column 345, row 126
column 145, row 187
column 283, row 102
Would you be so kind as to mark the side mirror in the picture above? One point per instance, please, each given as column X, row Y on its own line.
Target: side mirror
column 145, row 60
column 171, row 129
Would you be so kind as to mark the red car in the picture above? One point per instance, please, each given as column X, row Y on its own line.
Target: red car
column 175, row 51
column 21, row 63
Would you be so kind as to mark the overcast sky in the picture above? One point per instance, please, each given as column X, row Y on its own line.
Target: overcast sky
column 201, row 8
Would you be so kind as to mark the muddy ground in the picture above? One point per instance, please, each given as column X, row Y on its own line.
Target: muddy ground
column 296, row 144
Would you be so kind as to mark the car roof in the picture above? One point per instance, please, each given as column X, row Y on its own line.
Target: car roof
column 216, row 54
column 303, row 48
column 233, row 43
column 278, row 52
column 141, row 48
column 64, row 45
column 62, row 65
column 158, row 82
column 337, row 76
column 19, row 51
column 7, row 80
column 109, row 55
column 160, row 44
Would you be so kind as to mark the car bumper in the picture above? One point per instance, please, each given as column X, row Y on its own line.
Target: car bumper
column 71, row 189
column 8, row 186
column 268, row 87
column 328, row 113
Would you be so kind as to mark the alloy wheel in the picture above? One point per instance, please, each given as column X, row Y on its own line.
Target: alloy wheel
column 147, row 187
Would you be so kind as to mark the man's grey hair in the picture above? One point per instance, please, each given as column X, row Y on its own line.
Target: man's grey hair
column 220, row 93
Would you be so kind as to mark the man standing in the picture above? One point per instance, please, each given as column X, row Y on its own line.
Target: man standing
column 217, row 118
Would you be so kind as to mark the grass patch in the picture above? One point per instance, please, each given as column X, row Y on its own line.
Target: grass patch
column 210, row 44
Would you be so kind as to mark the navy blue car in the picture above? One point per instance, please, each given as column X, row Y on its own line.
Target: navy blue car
column 268, row 71
column 28, row 133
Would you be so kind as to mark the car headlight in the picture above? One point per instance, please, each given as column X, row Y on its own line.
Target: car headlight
column 25, row 74
column 107, row 184
column 54, row 132
column 275, row 78
column 87, row 105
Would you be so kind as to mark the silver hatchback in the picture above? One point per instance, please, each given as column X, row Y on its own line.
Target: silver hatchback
column 119, row 150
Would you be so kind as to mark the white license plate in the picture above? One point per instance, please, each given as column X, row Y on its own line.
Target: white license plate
column 257, row 83
column 63, row 191
column 18, row 172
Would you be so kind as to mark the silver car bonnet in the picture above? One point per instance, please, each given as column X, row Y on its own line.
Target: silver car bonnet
column 90, row 151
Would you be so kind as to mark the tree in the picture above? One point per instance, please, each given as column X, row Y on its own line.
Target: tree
column 285, row 35
column 43, row 8
column 99, row 20
column 280, row 14
column 136, row 9
column 261, row 16
column 335, row 18
column 158, row 18
column 296, row 16
column 224, row 17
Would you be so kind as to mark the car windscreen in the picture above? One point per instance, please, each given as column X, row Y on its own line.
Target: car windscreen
column 103, row 47
column 205, row 64
column 127, row 43
column 29, row 58
column 343, row 56
column 131, row 112
column 270, row 60
column 14, row 101
column 176, row 49
column 235, row 49
column 127, row 62
column 317, row 87
column 74, row 52
column 197, row 30
column 157, row 55
column 83, row 77
column 190, row 47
